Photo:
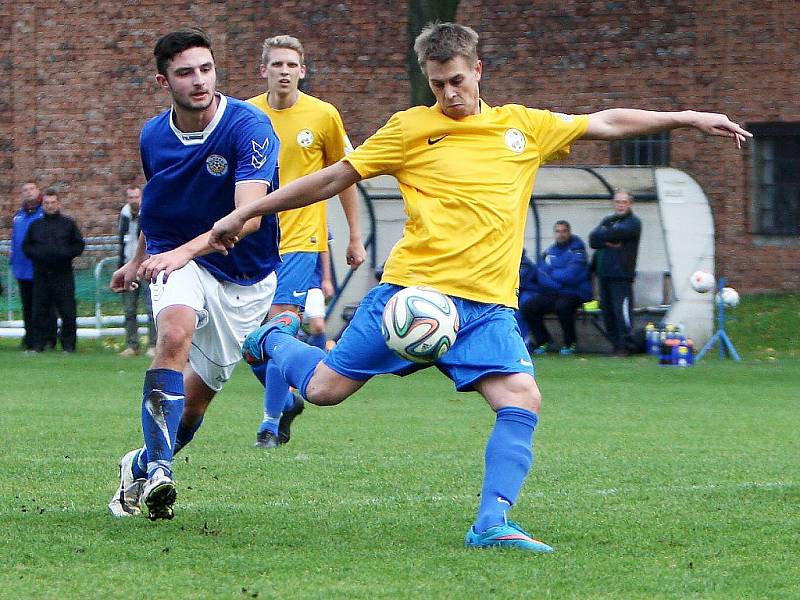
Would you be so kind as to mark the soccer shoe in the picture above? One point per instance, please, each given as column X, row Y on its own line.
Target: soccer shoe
column 266, row 439
column 507, row 535
column 567, row 350
column 125, row 501
column 285, row 424
column 159, row 495
column 544, row 349
column 253, row 347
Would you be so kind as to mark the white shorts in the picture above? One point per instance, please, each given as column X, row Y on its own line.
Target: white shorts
column 226, row 313
column 315, row 305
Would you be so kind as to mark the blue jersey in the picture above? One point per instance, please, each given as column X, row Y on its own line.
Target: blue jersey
column 191, row 180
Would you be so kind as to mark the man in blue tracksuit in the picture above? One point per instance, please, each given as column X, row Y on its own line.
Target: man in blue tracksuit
column 616, row 240
column 562, row 285
column 21, row 265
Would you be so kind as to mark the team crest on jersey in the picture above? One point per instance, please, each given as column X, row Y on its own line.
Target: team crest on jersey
column 217, row 165
column 515, row 140
column 305, row 137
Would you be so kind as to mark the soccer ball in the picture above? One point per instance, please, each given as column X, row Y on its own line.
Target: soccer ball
column 729, row 297
column 702, row 281
column 419, row 324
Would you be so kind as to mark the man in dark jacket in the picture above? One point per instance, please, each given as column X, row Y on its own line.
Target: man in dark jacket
column 52, row 243
column 616, row 240
column 563, row 284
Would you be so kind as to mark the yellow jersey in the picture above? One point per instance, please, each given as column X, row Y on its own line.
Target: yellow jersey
column 312, row 137
column 466, row 185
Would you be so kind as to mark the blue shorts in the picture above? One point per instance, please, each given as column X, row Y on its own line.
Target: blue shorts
column 488, row 343
column 295, row 278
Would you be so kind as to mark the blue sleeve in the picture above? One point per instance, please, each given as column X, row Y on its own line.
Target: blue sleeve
column 576, row 270
column 257, row 150
column 148, row 172
column 546, row 282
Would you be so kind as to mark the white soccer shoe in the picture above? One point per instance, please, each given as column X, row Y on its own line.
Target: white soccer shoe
column 125, row 501
column 159, row 495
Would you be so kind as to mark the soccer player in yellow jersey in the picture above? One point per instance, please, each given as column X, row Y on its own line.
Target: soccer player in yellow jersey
column 312, row 137
column 466, row 170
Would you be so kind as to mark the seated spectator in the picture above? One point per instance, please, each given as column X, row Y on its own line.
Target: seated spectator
column 527, row 290
column 562, row 285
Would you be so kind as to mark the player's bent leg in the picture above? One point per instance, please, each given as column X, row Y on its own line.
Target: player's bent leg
column 253, row 348
column 328, row 388
column 509, row 455
column 198, row 398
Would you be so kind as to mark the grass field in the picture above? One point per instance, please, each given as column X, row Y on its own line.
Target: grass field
column 650, row 483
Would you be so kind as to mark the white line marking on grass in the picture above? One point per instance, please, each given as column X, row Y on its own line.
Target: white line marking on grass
column 437, row 498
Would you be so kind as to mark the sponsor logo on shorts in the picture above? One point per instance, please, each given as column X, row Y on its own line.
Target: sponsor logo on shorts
column 217, row 165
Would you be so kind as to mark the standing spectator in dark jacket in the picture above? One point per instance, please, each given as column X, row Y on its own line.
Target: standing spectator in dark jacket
column 616, row 240
column 128, row 230
column 52, row 243
column 563, row 284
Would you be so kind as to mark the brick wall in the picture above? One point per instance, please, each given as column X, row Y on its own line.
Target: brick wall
column 79, row 84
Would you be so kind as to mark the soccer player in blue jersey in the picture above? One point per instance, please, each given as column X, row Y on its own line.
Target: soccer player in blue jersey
column 463, row 166
column 205, row 156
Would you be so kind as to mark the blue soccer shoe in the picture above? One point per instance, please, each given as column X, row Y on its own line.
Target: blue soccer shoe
column 253, row 347
column 507, row 535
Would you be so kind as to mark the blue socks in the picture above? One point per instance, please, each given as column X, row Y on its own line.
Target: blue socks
column 184, row 436
column 295, row 360
column 162, row 406
column 276, row 397
column 509, row 456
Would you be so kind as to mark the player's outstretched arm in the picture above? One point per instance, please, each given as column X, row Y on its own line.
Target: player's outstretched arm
column 321, row 185
column 356, row 253
column 616, row 123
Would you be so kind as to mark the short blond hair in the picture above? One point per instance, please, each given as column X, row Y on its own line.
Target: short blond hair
column 444, row 41
column 282, row 41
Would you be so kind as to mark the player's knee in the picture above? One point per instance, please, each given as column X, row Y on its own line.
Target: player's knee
column 324, row 396
column 317, row 326
column 524, row 392
column 173, row 340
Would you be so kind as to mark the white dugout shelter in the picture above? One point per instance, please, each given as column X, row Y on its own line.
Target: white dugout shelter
column 677, row 237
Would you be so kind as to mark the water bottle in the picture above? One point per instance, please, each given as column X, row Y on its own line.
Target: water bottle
column 650, row 336
column 683, row 355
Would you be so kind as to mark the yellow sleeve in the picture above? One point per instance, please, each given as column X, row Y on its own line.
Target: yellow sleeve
column 382, row 153
column 335, row 139
column 554, row 132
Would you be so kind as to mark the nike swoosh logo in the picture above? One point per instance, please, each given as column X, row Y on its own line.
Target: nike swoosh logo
column 298, row 294
column 525, row 363
column 431, row 141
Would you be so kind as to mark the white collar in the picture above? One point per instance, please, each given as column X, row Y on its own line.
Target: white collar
column 193, row 138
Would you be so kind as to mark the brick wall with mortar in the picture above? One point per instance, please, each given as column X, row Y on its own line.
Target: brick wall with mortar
column 79, row 85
